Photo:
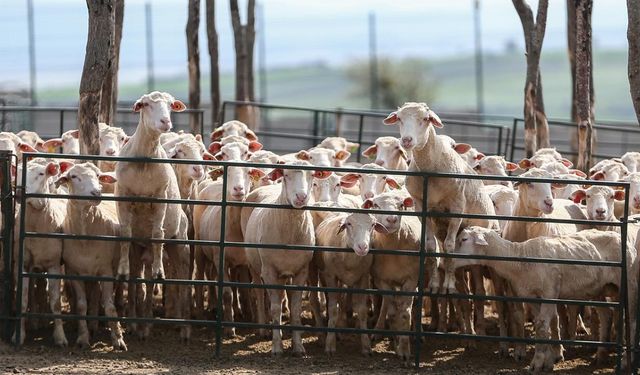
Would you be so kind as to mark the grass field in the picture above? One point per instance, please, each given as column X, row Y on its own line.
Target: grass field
column 318, row 85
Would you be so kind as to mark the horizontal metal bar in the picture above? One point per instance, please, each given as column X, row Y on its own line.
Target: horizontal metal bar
column 286, row 327
column 18, row 108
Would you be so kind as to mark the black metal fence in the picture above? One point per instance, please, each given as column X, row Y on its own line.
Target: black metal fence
column 421, row 254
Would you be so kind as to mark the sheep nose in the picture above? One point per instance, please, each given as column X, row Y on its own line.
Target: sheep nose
column 636, row 199
column 166, row 122
column 600, row 211
column 110, row 152
column 407, row 142
column 301, row 196
column 238, row 189
column 392, row 219
column 380, row 162
column 368, row 195
column 95, row 193
column 363, row 247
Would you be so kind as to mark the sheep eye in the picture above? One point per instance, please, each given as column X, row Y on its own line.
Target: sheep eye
column 588, row 196
column 315, row 185
column 145, row 104
column 41, row 173
column 310, row 157
column 74, row 176
column 375, row 206
column 463, row 239
column 338, row 185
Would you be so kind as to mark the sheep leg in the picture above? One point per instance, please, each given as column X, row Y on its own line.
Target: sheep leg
column 449, row 247
column 146, row 305
column 56, row 307
column 572, row 316
column 245, row 294
column 555, row 350
column 25, row 304
column 110, row 310
column 198, row 274
column 360, row 304
column 133, row 298
column 260, row 307
column 81, row 306
column 384, row 309
column 332, row 313
column 157, row 213
column 604, row 332
column 480, row 323
column 276, row 296
column 403, row 322
column 93, row 299
column 179, row 258
column 314, row 298
column 295, row 308
column 544, row 314
column 501, row 309
column 125, row 218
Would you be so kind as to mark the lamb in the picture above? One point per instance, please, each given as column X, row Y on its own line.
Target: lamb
column 285, row 226
column 42, row 215
column 89, row 257
column 388, row 153
column 323, row 157
column 157, row 220
column 233, row 127
column 565, row 192
column 370, row 184
column 543, row 156
column 504, row 200
column 612, row 171
column 634, row 194
column 338, row 144
column 69, row 142
column 472, row 157
column 631, row 161
column 553, row 281
column 32, row 139
column 111, row 140
column 495, row 166
column 350, row 269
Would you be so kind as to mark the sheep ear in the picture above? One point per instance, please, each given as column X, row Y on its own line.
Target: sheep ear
column 578, row 196
column 380, row 228
column 598, row 176
column 65, row 165
column 207, row 156
column 107, row 178
column 618, row 195
column 480, row 239
column 75, row 133
column 322, row 174
column 303, row 155
column 62, row 180
column 367, row 204
column 349, row 180
column 198, row 137
column 255, row 146
column 353, row 147
column 217, row 134
column 215, row 147
column 137, row 106
column 342, row 155
column 511, row 166
column 578, row 172
column 342, row 227
column 24, row 147
column 216, row 173
column 525, row 164
column 256, row 174
column 275, row 174
column 407, row 202
column 391, row 119
column 567, row 163
column 51, row 144
column 171, row 153
column 178, row 106
column 392, row 182
column 370, row 152
column 250, row 135
column 435, row 119
column 480, row 156
column 461, row 148
column 53, row 169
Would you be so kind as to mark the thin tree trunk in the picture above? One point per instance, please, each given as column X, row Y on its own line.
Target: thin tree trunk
column 583, row 82
column 244, row 37
column 193, row 55
column 241, row 52
column 542, row 125
column 212, row 37
column 97, row 63
column 633, row 36
column 109, row 97
column 250, row 38
column 534, row 36
column 571, row 47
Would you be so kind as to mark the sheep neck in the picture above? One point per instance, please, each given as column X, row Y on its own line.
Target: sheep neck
column 498, row 246
column 516, row 231
column 145, row 141
column 428, row 158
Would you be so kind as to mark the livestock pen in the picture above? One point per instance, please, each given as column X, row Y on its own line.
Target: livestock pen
column 11, row 315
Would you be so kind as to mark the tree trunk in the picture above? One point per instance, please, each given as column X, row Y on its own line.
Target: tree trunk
column 633, row 36
column 212, row 37
column 244, row 37
column 193, row 56
column 98, row 61
column 109, row 97
column 571, row 46
column 542, row 126
column 533, row 36
column 583, row 82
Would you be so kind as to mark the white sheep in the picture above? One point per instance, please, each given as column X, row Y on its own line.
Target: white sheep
column 349, row 269
column 631, row 161
column 285, row 226
column 233, row 127
column 89, row 257
column 370, row 184
column 611, row 171
column 158, row 220
column 111, row 140
column 504, row 200
column 543, row 156
column 323, row 157
column 339, row 143
column 69, row 142
column 494, row 165
column 388, row 153
column 42, row 215
column 32, row 139
column 553, row 281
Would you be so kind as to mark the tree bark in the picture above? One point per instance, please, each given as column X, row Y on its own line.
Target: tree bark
column 98, row 61
column 109, row 96
column 212, row 37
column 193, row 57
column 244, row 37
column 583, row 82
column 542, row 125
column 633, row 36
column 534, row 36
column 571, row 47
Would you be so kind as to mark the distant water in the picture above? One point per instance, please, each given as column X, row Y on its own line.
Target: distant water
column 297, row 32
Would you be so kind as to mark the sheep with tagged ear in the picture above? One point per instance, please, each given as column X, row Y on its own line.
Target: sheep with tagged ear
column 32, row 139
column 560, row 192
column 233, row 127
column 68, row 141
column 157, row 220
column 543, row 156
column 495, row 166
column 504, row 200
column 291, row 226
column 388, row 153
column 370, row 184
column 554, row 281
column 608, row 171
column 245, row 147
column 88, row 257
column 339, row 143
column 323, row 157
column 417, row 124
column 42, row 215
column 349, row 269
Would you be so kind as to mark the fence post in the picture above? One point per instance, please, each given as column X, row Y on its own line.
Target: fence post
column 202, row 123
column 20, row 264
column 623, row 305
column 316, row 125
column 418, row 302
column 514, row 131
column 360, row 128
column 61, row 129
column 7, row 239
column 223, row 216
column 499, row 141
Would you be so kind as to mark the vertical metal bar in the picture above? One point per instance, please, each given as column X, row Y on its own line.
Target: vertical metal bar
column 202, row 123
column 21, row 251
column 514, row 130
column 506, row 141
column 373, row 61
column 149, row 40
column 499, row 141
column 360, row 128
column 7, row 238
column 316, row 124
column 61, row 125
column 479, row 70
column 223, row 110
column 623, row 307
column 223, row 209
column 419, row 300
column 32, row 53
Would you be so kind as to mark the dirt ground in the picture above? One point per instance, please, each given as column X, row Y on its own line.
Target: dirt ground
column 247, row 354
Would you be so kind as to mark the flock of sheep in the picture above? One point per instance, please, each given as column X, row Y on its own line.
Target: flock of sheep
column 418, row 148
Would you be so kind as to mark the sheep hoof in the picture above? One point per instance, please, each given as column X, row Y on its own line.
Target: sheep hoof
column 118, row 344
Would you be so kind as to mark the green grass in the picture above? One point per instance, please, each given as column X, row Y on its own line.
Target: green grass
column 324, row 86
